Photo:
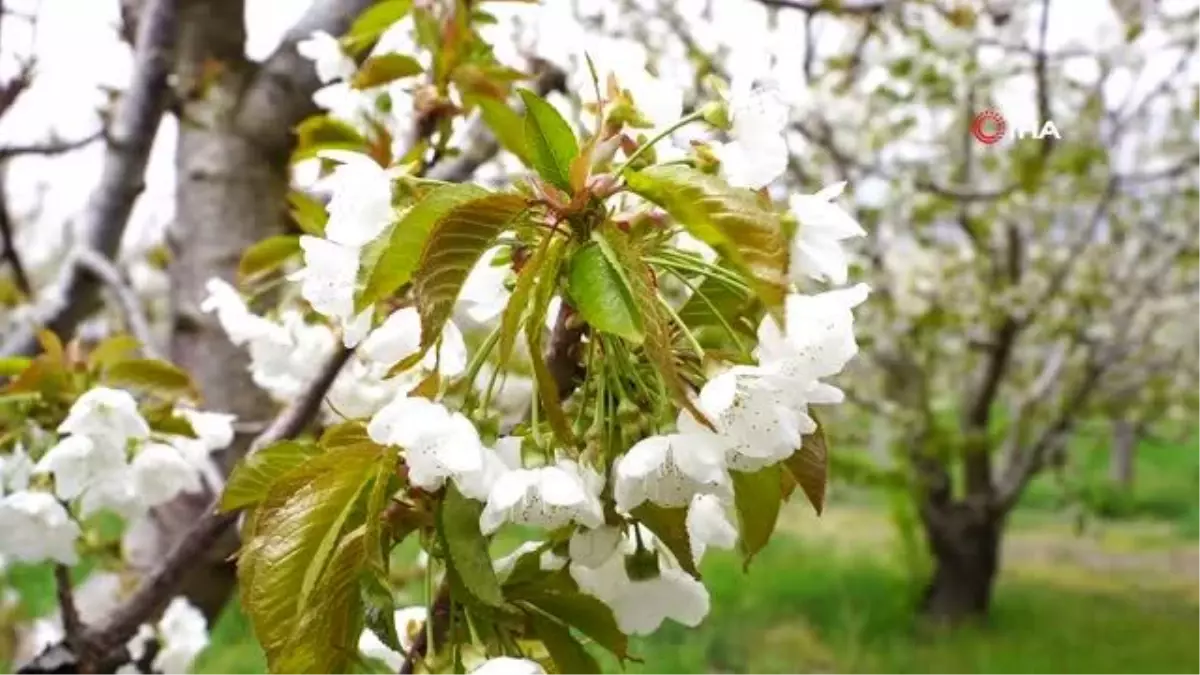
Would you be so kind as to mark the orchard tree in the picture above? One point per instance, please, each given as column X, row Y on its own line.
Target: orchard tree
column 608, row 339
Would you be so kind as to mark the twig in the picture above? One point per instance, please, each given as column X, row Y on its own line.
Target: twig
column 127, row 300
column 54, row 146
column 134, row 126
column 72, row 625
column 831, row 6
column 9, row 238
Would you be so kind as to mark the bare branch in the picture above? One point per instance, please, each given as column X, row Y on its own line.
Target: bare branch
column 53, row 146
column 127, row 300
column 134, row 126
column 72, row 625
column 8, row 237
column 833, row 6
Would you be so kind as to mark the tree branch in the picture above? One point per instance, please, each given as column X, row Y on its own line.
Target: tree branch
column 53, row 146
column 72, row 625
column 832, row 6
column 134, row 126
column 8, row 237
column 131, row 308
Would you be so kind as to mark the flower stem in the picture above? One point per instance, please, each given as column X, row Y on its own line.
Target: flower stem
column 683, row 122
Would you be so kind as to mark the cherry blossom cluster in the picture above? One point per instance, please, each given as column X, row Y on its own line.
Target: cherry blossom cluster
column 105, row 458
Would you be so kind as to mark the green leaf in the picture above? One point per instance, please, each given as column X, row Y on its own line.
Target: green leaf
column 380, row 606
column 295, row 544
column 113, row 350
column 377, row 502
column 325, row 639
column 373, row 22
column 757, row 498
column 454, row 245
column 268, row 255
column 467, row 548
column 309, row 214
column 350, row 432
column 518, row 303
column 670, row 526
column 400, row 257
column 810, row 467
column 13, row 365
column 547, row 388
column 322, row 132
column 659, row 345
column 506, row 125
column 152, row 376
column 549, row 141
column 590, row 616
column 252, row 478
column 385, row 68
column 569, row 656
column 600, row 290
column 731, row 220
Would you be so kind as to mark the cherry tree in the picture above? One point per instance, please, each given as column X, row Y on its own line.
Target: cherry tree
column 423, row 288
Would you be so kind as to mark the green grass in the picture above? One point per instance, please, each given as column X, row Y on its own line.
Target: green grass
column 806, row 606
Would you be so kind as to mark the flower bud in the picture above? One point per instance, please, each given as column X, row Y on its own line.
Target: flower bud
column 716, row 113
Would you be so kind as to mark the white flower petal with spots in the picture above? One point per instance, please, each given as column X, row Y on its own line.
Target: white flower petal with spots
column 755, row 418
column 548, row 497
column 758, row 153
column 327, row 282
column 36, row 527
column 669, row 470
column 818, row 340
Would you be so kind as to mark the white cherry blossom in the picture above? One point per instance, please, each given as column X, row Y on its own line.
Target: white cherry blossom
column 409, row 622
column 79, row 463
column 548, row 560
column 36, row 527
column 360, row 204
column 757, row 153
column 105, row 414
column 818, row 339
column 214, row 431
column 816, row 249
column 546, row 496
column 641, row 605
column 483, row 295
column 497, row 461
column 399, row 337
column 327, row 282
column 238, row 322
column 160, row 472
column 507, row 665
column 183, row 634
column 708, row 525
column 15, row 469
column 754, row 417
column 669, row 470
column 330, row 62
column 289, row 356
column 437, row 443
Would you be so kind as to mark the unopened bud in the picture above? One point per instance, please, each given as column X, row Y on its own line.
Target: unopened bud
column 716, row 113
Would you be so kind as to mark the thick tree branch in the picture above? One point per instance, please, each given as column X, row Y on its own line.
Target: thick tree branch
column 72, row 625
column 134, row 126
column 280, row 94
column 131, row 307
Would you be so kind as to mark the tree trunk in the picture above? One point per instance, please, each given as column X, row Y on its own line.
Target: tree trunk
column 1124, row 445
column 229, row 194
column 965, row 542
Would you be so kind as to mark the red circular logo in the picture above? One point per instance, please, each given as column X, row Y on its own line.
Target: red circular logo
column 988, row 127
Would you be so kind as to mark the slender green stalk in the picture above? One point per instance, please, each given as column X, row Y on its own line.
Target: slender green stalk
column 687, row 332
column 683, row 122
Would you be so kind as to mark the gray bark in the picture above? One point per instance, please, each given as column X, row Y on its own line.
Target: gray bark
column 231, row 161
